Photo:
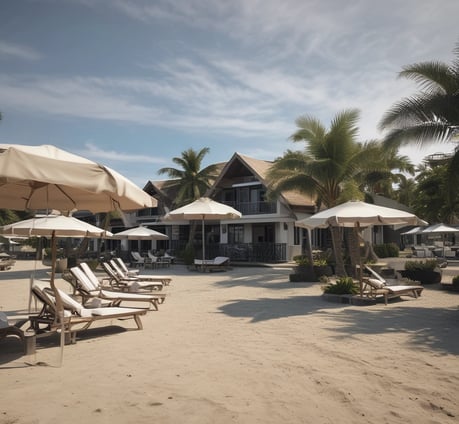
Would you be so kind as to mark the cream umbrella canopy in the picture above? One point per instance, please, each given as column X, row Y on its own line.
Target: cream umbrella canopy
column 139, row 233
column 203, row 209
column 357, row 214
column 54, row 226
column 45, row 177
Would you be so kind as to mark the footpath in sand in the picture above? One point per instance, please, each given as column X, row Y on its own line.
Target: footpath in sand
column 243, row 346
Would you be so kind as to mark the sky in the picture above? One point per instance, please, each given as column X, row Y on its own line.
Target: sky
column 133, row 83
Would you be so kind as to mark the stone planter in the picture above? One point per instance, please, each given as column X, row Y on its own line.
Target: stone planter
column 423, row 276
column 303, row 274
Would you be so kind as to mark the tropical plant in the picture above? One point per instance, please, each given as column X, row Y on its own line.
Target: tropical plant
column 191, row 182
column 327, row 166
column 344, row 285
column 427, row 265
column 432, row 114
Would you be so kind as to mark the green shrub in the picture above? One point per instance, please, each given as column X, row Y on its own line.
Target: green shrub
column 344, row 285
column 386, row 250
column 456, row 282
column 303, row 260
column 188, row 255
column 427, row 265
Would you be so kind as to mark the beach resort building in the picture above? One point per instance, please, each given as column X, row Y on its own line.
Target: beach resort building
column 265, row 233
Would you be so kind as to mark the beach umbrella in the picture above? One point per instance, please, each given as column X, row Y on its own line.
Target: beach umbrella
column 45, row 177
column 357, row 214
column 54, row 226
column 364, row 214
column 139, row 233
column 442, row 230
column 203, row 209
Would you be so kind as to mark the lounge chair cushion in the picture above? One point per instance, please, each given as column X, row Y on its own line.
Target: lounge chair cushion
column 376, row 283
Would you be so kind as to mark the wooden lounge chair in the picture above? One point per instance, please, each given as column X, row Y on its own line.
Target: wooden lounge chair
column 219, row 263
column 377, row 286
column 157, row 261
column 125, row 269
column 84, row 287
column 7, row 329
column 76, row 316
column 131, row 284
column 137, row 259
column 164, row 279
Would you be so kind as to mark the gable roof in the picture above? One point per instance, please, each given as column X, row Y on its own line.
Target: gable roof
column 259, row 170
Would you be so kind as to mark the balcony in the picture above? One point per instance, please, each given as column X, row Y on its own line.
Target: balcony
column 253, row 208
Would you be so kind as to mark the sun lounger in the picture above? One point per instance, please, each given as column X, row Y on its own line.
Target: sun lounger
column 131, row 284
column 377, row 286
column 7, row 329
column 126, row 270
column 76, row 316
column 137, row 259
column 219, row 263
column 164, row 279
column 96, row 295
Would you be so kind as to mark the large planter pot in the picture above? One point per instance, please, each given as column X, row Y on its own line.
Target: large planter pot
column 302, row 274
column 323, row 270
column 423, row 276
column 61, row 265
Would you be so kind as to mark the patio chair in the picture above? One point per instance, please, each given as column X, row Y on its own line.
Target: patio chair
column 164, row 279
column 378, row 286
column 131, row 284
column 158, row 261
column 76, row 316
column 137, row 259
column 7, row 329
column 92, row 295
column 125, row 269
column 219, row 263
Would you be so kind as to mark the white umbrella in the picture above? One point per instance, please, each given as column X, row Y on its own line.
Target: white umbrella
column 358, row 214
column 203, row 209
column 140, row 233
column 441, row 229
column 364, row 214
column 45, row 177
column 54, row 226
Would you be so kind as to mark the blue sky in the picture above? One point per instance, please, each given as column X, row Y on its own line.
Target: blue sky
column 133, row 83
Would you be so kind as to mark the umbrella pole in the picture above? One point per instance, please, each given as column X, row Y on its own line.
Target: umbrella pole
column 360, row 265
column 59, row 305
column 203, row 246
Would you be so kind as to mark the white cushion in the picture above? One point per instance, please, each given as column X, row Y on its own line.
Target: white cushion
column 376, row 283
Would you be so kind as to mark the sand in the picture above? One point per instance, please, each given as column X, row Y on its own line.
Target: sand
column 243, row 346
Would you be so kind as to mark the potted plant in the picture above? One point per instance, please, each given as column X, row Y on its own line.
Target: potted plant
column 305, row 272
column 426, row 272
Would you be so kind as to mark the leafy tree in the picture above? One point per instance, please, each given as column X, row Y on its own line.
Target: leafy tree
column 191, row 181
column 327, row 166
column 432, row 114
column 430, row 195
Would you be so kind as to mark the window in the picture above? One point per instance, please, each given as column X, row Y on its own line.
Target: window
column 235, row 233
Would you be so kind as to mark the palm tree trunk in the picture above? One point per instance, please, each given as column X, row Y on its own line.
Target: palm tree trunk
column 337, row 251
column 354, row 249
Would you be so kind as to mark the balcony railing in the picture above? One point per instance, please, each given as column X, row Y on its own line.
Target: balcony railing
column 253, row 208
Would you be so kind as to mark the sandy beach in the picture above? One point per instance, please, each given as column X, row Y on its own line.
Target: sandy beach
column 243, row 346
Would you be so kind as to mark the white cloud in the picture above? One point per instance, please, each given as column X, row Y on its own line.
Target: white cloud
column 18, row 51
column 94, row 152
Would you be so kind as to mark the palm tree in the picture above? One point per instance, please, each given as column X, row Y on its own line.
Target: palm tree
column 432, row 114
column 191, row 181
column 327, row 166
column 391, row 170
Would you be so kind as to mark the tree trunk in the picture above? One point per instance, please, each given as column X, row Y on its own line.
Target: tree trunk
column 353, row 245
column 337, row 251
column 309, row 251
